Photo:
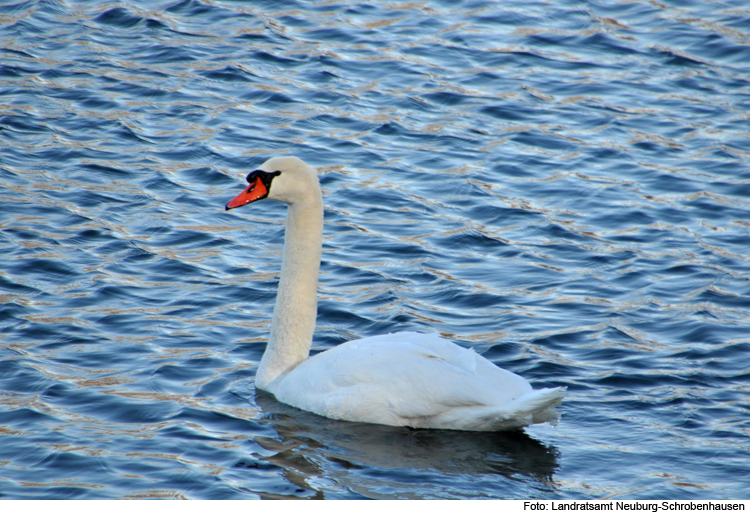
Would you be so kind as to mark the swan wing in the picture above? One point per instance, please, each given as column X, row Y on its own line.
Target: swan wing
column 420, row 380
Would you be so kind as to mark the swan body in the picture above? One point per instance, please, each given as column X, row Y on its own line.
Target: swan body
column 402, row 379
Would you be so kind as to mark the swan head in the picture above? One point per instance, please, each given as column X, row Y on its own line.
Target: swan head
column 286, row 179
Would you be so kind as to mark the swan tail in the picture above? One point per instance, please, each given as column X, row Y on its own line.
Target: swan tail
column 532, row 407
column 537, row 406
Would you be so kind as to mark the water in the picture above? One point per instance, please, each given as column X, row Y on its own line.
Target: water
column 563, row 186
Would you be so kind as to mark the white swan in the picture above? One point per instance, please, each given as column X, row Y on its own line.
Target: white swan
column 402, row 379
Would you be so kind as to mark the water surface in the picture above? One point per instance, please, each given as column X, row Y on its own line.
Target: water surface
column 563, row 186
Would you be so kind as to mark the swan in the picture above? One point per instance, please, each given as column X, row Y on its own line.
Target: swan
column 400, row 379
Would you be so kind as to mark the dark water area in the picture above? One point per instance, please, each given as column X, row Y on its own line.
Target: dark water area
column 563, row 186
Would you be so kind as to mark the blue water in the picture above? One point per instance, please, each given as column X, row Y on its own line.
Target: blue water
column 564, row 186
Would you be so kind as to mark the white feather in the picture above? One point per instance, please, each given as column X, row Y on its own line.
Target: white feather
column 401, row 379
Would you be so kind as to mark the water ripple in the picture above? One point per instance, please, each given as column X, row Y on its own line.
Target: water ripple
column 564, row 188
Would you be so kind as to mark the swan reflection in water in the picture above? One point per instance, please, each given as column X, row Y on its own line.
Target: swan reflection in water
column 326, row 458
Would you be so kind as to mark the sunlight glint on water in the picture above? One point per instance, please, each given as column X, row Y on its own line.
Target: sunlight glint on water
column 561, row 185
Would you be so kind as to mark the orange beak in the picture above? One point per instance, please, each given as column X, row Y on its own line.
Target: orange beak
column 254, row 192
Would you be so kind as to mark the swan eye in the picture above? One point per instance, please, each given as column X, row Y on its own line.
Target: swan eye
column 264, row 176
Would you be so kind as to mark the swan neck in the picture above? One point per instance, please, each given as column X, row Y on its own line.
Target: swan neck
column 294, row 315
